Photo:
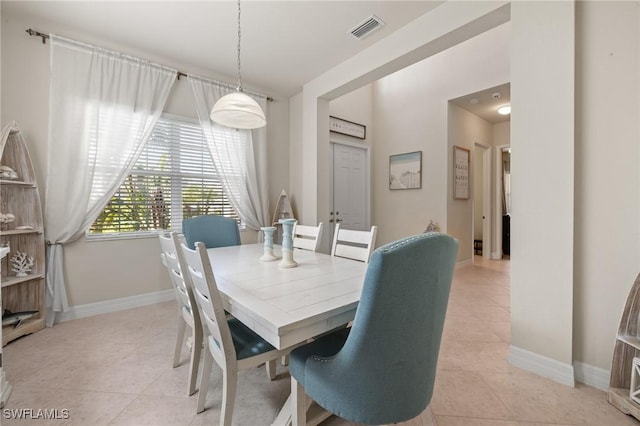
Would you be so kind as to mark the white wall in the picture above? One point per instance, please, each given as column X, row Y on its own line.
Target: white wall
column 607, row 175
column 466, row 129
column 408, row 112
column 501, row 133
column 105, row 270
column 295, row 154
column 542, row 153
column 445, row 26
column 478, row 194
column 356, row 106
column 412, row 113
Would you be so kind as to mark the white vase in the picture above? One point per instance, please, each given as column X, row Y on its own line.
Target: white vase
column 268, row 255
column 287, row 244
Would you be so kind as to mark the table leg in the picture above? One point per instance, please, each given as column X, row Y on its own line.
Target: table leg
column 315, row 413
column 298, row 404
column 284, row 416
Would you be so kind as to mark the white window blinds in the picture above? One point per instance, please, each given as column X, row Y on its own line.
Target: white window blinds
column 173, row 179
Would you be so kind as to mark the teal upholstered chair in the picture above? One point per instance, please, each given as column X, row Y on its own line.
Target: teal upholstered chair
column 213, row 231
column 382, row 370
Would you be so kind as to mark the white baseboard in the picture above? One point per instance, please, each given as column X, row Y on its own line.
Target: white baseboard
column 115, row 305
column 592, row 376
column 542, row 365
column 464, row 263
column 496, row 255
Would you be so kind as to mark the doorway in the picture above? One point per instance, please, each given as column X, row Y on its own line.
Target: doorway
column 482, row 201
column 503, row 202
column 350, row 186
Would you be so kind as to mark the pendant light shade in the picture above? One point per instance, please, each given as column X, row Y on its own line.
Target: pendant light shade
column 239, row 111
column 236, row 109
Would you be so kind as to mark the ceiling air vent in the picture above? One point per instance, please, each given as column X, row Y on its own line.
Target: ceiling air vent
column 366, row 27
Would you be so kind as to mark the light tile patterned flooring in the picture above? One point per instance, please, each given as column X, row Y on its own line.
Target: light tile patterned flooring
column 115, row 369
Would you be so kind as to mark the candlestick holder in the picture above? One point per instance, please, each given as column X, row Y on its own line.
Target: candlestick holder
column 287, row 244
column 268, row 255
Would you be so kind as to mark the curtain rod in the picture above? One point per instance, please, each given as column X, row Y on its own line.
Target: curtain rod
column 44, row 37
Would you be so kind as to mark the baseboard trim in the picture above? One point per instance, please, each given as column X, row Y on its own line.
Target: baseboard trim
column 592, row 376
column 115, row 305
column 542, row 365
column 464, row 263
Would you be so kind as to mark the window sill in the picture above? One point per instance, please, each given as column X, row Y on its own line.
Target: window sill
column 92, row 238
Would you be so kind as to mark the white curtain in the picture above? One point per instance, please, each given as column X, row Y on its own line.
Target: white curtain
column 102, row 108
column 239, row 156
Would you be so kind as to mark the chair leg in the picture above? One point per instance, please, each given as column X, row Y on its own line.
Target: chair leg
column 284, row 360
column 229, row 384
column 196, row 350
column 271, row 369
column 179, row 341
column 298, row 404
column 204, row 380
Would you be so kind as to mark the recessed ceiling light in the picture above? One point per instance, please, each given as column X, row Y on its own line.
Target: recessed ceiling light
column 473, row 101
column 504, row 110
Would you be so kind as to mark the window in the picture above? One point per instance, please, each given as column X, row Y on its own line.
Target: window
column 173, row 179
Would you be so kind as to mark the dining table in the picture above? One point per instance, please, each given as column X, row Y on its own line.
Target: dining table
column 287, row 306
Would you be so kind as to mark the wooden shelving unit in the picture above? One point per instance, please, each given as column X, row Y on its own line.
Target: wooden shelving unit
column 626, row 348
column 20, row 197
column 5, row 387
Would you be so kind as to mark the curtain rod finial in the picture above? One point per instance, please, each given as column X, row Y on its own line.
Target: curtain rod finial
column 38, row 34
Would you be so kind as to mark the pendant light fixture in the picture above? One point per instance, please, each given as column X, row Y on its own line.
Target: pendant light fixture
column 236, row 109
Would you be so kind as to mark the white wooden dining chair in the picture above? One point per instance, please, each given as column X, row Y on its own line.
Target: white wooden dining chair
column 307, row 237
column 187, row 307
column 231, row 344
column 351, row 244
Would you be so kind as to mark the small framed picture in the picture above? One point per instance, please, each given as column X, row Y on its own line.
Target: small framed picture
column 349, row 128
column 405, row 171
column 461, row 165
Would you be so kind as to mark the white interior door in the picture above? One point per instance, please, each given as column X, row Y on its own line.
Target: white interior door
column 350, row 186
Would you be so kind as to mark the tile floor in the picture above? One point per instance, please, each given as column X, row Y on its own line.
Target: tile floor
column 115, row 369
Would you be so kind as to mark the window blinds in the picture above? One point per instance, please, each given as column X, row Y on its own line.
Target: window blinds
column 173, row 179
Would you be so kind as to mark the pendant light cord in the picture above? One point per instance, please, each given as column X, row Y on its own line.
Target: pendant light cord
column 239, row 88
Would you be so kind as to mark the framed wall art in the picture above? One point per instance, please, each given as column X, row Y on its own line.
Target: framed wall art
column 349, row 128
column 405, row 171
column 461, row 166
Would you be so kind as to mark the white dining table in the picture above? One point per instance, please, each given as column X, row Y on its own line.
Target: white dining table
column 287, row 306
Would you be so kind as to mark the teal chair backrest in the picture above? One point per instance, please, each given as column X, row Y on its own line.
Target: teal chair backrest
column 386, row 369
column 213, row 231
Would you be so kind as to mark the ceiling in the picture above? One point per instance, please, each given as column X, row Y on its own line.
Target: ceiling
column 285, row 44
column 485, row 103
